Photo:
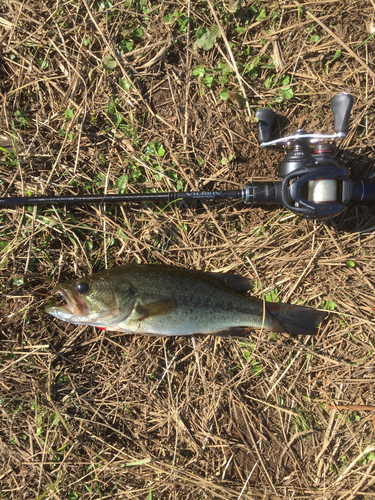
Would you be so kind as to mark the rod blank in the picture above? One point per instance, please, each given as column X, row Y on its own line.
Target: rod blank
column 124, row 198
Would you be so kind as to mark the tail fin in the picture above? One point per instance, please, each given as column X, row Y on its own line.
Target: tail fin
column 296, row 320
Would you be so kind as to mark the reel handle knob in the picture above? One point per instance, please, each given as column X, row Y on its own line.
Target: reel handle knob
column 341, row 106
column 266, row 117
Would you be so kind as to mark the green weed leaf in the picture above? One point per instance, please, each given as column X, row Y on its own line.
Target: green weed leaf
column 182, row 22
column 199, row 71
column 43, row 63
column 224, row 67
column 262, row 15
column 138, row 462
column 234, row 6
column 256, row 368
column 19, row 114
column 286, row 92
column 329, row 305
column 336, row 55
column 200, row 32
column 272, row 296
column 224, row 94
column 138, row 32
column 207, row 41
column 160, row 150
column 150, row 148
column 109, row 63
column 105, row 5
column 181, row 19
column 121, row 183
column 18, row 281
column 124, row 84
column 69, row 114
column 268, row 82
column 252, row 69
column 225, row 161
column 209, row 80
column 125, row 46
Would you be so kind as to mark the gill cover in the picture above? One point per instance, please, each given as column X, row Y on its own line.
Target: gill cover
column 93, row 301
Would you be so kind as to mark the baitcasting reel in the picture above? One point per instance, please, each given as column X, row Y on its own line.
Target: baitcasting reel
column 313, row 185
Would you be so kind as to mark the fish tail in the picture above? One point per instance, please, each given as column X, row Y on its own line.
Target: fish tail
column 296, row 320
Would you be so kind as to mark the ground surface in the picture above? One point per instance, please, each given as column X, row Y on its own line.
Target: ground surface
column 88, row 414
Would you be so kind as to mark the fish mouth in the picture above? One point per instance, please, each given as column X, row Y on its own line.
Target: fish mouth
column 73, row 305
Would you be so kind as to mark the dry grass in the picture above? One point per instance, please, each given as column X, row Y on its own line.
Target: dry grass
column 87, row 414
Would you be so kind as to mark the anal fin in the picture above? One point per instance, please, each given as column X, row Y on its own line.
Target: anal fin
column 235, row 331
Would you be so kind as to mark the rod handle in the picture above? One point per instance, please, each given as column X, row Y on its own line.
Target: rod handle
column 363, row 191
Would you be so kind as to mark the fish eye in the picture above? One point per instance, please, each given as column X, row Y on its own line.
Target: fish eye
column 83, row 287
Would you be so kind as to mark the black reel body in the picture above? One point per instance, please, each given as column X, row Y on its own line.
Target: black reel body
column 314, row 185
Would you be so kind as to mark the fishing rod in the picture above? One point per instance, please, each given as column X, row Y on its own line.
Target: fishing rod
column 312, row 184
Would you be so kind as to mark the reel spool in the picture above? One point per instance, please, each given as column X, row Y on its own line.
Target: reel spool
column 322, row 190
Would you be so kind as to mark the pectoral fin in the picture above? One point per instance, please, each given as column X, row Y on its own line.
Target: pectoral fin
column 159, row 308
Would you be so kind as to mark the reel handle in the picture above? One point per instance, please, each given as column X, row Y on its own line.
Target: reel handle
column 341, row 106
column 266, row 117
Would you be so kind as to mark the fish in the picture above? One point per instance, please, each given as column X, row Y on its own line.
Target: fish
column 161, row 300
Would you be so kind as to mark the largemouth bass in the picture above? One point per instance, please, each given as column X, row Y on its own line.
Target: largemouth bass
column 166, row 300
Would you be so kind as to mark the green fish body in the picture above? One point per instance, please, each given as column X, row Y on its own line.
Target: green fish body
column 166, row 300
